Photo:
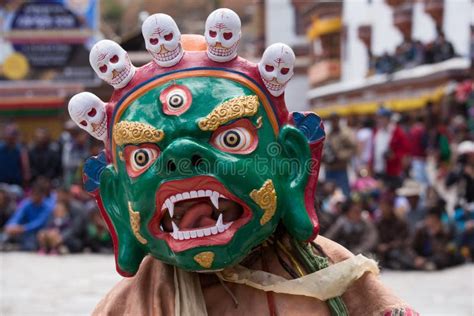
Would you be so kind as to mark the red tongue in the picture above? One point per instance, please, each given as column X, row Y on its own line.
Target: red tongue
column 198, row 215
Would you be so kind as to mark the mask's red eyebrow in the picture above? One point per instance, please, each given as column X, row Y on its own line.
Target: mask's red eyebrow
column 238, row 107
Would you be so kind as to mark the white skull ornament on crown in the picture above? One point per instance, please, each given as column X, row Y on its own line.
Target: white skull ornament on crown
column 162, row 39
column 222, row 35
column 276, row 67
column 88, row 112
column 111, row 63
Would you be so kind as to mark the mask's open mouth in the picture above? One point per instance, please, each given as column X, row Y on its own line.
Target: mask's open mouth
column 197, row 211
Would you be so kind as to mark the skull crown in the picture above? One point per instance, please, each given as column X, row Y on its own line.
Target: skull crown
column 162, row 39
column 277, row 67
column 88, row 112
column 111, row 63
column 222, row 33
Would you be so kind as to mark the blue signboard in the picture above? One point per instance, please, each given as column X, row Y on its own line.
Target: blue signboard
column 48, row 40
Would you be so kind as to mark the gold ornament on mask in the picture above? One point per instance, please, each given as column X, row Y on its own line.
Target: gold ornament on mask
column 135, row 224
column 232, row 109
column 266, row 198
column 205, row 259
column 126, row 132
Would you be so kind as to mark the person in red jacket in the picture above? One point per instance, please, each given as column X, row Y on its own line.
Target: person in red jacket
column 390, row 148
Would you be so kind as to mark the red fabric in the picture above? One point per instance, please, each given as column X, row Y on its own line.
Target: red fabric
column 417, row 135
column 398, row 149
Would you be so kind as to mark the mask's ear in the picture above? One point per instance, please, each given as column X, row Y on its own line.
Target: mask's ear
column 128, row 251
column 297, row 154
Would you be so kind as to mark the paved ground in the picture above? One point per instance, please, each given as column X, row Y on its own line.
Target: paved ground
column 71, row 285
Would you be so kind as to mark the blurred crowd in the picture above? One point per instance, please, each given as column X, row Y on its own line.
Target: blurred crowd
column 400, row 188
column 411, row 53
column 43, row 206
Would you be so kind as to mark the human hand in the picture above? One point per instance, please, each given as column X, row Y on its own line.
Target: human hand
column 14, row 230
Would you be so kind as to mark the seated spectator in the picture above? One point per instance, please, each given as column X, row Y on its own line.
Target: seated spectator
column 385, row 64
column 365, row 183
column 393, row 249
column 28, row 219
column 50, row 195
column 433, row 244
column 464, row 230
column 442, row 49
column 353, row 230
column 462, row 175
column 331, row 199
column 69, row 236
column 97, row 237
column 419, row 53
column 7, row 205
column 406, row 53
column 409, row 203
column 50, row 239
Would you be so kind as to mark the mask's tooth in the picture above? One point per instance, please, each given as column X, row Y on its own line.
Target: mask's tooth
column 193, row 194
column 220, row 229
column 219, row 221
column 175, row 227
column 201, row 193
column 214, row 230
column 215, row 199
column 170, row 206
column 186, row 235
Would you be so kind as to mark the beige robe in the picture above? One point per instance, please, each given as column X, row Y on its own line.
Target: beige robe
column 152, row 292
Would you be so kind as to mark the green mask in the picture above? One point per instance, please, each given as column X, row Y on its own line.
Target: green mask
column 202, row 165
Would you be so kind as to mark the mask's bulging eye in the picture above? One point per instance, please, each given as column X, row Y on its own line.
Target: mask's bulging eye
column 233, row 138
column 237, row 138
column 139, row 158
column 176, row 99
